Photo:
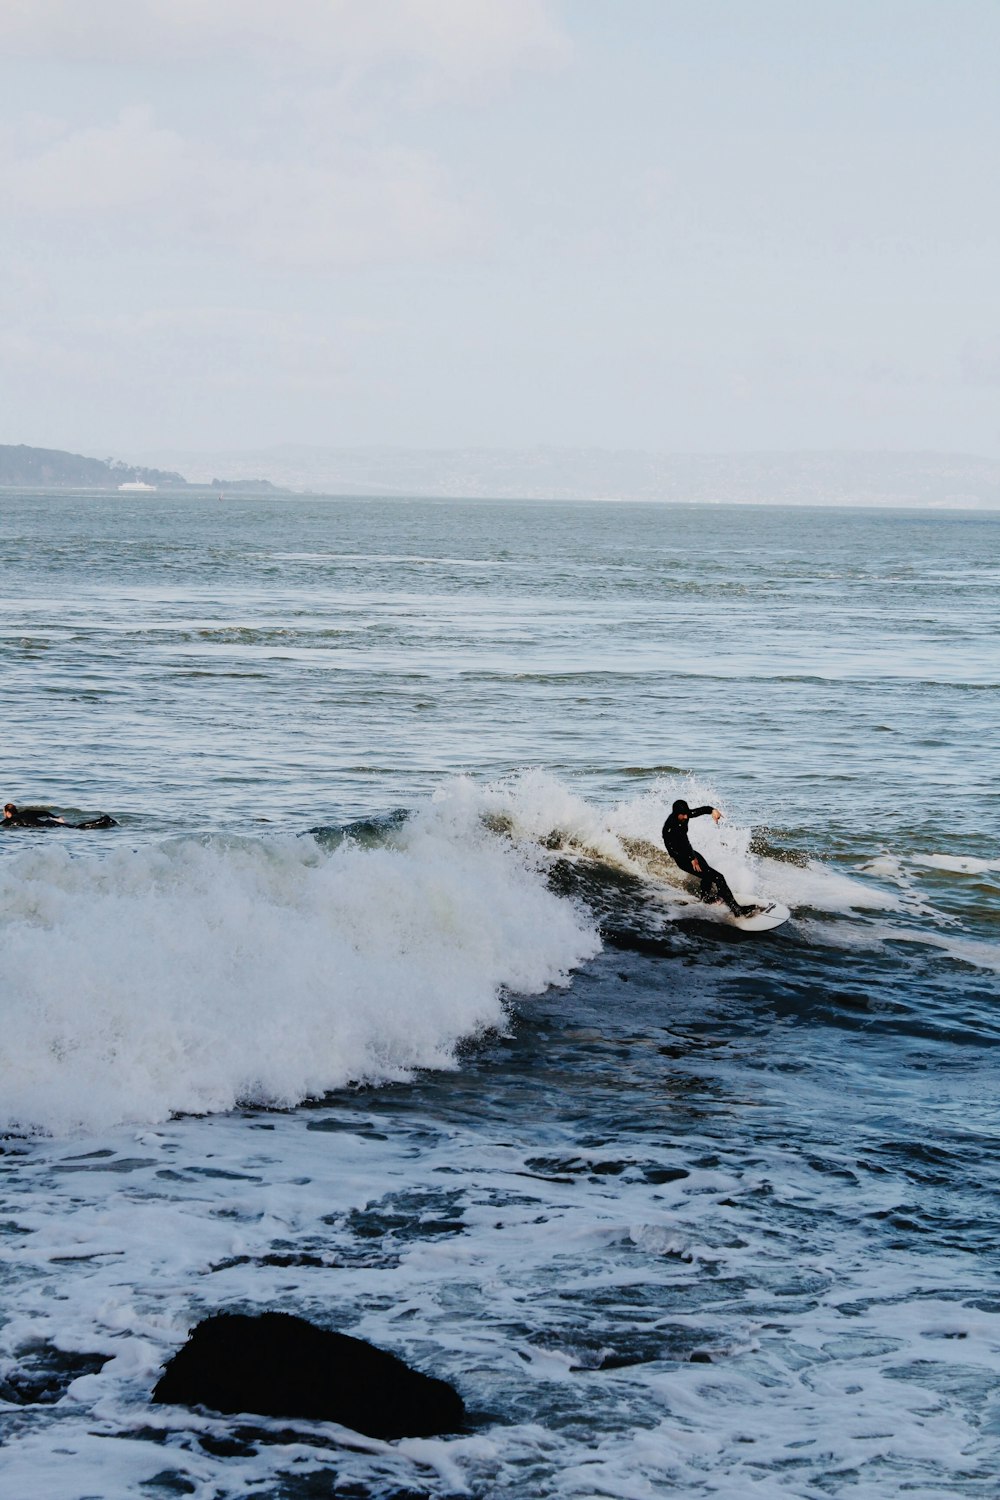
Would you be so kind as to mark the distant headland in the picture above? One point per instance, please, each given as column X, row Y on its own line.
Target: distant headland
column 22, row 467
column 923, row 481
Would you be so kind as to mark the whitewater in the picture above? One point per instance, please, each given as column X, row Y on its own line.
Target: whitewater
column 201, row 974
column 383, row 1004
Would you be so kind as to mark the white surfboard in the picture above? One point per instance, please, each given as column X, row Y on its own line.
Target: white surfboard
column 772, row 915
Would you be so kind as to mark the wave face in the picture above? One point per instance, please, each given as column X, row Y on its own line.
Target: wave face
column 200, row 974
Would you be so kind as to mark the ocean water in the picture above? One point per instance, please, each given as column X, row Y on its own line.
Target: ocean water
column 383, row 1005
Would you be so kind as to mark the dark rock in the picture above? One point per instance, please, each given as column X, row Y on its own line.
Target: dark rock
column 281, row 1366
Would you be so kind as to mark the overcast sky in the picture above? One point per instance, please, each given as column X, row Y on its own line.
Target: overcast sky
column 675, row 224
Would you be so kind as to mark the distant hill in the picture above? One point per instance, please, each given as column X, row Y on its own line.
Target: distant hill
column 51, row 468
column 922, row 480
column 22, row 467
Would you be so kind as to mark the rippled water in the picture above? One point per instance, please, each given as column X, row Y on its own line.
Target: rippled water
column 678, row 1211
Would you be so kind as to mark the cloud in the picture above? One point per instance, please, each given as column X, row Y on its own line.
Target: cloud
column 313, row 163
column 39, row 354
column 359, row 202
column 212, row 347
column 217, row 374
column 130, row 164
column 457, row 37
column 980, row 362
column 196, row 348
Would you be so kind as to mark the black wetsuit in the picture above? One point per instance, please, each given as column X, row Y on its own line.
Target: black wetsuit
column 39, row 817
column 32, row 817
column 678, row 846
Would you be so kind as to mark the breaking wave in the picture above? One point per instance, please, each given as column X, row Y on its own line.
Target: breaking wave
column 199, row 974
column 203, row 973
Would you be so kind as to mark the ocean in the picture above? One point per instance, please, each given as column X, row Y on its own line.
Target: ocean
column 382, row 1004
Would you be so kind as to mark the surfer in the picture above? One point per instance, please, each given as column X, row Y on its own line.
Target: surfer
column 41, row 817
column 30, row 817
column 713, row 883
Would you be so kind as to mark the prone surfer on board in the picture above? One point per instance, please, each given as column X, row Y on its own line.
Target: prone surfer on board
column 678, row 845
column 41, row 817
column 30, row 817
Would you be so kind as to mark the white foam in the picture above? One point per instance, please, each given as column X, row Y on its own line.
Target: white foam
column 538, row 805
column 189, row 977
column 978, row 954
column 872, row 938
column 872, row 1361
column 959, row 865
column 888, row 866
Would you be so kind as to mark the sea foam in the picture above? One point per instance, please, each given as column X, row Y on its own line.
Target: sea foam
column 199, row 974
column 537, row 806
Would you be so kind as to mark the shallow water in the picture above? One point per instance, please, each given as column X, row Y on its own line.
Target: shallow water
column 466, row 1070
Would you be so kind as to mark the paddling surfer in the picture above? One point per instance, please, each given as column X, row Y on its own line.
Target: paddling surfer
column 678, row 845
column 30, row 817
column 41, row 817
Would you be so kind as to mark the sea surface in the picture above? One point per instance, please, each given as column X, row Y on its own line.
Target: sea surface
column 382, row 1005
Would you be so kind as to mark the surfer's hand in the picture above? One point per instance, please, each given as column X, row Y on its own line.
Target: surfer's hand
column 716, row 815
column 696, row 867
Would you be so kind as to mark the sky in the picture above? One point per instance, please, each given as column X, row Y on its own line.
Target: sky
column 682, row 225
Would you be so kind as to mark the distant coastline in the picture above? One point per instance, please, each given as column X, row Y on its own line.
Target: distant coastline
column 912, row 480
column 931, row 481
column 26, row 468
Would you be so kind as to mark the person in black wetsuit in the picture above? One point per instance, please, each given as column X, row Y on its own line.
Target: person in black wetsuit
column 678, row 845
column 30, row 817
column 40, row 817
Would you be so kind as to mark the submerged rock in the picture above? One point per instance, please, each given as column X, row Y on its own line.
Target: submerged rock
column 281, row 1366
column 44, row 1374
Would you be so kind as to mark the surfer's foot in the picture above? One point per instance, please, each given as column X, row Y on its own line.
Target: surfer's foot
column 747, row 911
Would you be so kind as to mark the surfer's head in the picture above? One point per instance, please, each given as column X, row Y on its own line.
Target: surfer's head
column 681, row 809
column 9, row 809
